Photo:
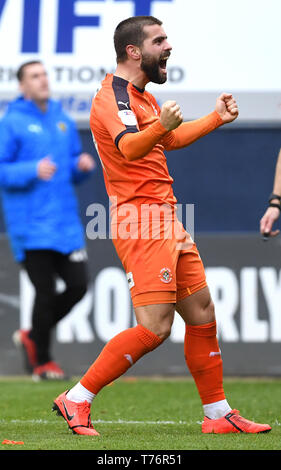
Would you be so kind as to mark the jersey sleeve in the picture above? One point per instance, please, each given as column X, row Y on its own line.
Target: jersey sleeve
column 111, row 107
column 189, row 132
column 135, row 146
column 13, row 174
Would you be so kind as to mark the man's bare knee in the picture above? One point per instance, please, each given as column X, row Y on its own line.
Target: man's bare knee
column 164, row 331
column 156, row 318
column 198, row 308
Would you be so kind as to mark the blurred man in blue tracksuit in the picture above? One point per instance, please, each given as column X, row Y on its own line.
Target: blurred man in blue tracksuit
column 40, row 161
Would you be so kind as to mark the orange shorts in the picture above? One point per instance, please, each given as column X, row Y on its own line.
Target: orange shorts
column 161, row 270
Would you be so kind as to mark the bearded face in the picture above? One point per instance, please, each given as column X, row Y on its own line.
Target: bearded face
column 155, row 67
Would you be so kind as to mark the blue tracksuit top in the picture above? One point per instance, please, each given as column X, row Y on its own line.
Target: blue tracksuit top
column 40, row 214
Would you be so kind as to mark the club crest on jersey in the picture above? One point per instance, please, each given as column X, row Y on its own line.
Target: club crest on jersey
column 62, row 126
column 165, row 275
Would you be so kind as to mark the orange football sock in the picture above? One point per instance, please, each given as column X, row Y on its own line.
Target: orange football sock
column 203, row 358
column 120, row 353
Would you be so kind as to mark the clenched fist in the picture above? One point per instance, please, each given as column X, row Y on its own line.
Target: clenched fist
column 171, row 116
column 226, row 107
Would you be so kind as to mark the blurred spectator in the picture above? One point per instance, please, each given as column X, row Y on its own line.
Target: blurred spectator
column 40, row 160
column 273, row 211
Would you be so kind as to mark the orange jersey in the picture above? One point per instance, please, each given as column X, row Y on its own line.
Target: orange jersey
column 119, row 108
column 130, row 140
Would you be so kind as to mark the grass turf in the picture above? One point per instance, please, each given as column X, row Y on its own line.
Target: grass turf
column 140, row 414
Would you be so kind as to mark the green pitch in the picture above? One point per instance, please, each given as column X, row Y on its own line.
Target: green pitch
column 141, row 414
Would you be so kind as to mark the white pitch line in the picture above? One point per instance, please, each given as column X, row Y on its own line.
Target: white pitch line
column 96, row 421
column 103, row 421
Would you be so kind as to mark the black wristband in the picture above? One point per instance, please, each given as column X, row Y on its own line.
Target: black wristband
column 272, row 204
column 274, row 196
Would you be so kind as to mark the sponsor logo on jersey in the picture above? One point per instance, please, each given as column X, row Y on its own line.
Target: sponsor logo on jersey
column 35, row 128
column 130, row 280
column 124, row 104
column 214, row 353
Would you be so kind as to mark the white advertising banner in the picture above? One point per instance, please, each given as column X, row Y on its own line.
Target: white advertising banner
column 244, row 279
column 218, row 45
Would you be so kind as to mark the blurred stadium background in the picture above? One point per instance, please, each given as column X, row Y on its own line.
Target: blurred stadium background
column 217, row 46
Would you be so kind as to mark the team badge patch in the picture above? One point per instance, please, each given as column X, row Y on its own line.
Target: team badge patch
column 165, row 275
column 128, row 117
column 62, row 126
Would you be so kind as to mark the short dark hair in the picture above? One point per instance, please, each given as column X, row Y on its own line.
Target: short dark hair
column 130, row 31
column 20, row 71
